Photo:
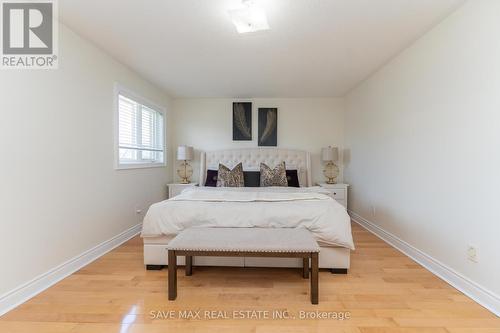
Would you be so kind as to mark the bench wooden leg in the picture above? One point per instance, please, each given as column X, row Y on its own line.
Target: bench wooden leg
column 189, row 265
column 172, row 275
column 305, row 268
column 314, row 278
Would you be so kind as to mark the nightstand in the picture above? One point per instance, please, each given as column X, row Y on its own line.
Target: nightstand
column 337, row 191
column 176, row 189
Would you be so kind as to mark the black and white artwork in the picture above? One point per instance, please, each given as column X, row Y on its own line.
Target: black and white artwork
column 268, row 127
column 242, row 121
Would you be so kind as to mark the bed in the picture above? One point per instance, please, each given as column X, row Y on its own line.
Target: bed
column 307, row 207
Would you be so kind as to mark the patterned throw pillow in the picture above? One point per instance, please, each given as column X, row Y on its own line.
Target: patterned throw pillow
column 230, row 178
column 273, row 177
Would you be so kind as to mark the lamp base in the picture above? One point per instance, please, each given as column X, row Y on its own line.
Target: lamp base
column 331, row 172
column 331, row 181
column 185, row 172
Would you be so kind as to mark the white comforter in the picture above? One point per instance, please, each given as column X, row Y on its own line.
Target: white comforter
column 276, row 207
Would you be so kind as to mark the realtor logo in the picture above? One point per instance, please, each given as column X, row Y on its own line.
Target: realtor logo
column 29, row 34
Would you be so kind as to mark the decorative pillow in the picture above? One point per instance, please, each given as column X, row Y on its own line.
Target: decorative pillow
column 211, row 179
column 252, row 178
column 273, row 177
column 292, row 178
column 230, row 178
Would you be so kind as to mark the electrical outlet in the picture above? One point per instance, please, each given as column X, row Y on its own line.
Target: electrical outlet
column 472, row 253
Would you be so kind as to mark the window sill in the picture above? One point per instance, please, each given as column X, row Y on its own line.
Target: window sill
column 140, row 166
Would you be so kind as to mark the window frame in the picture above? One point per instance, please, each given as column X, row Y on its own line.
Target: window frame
column 121, row 90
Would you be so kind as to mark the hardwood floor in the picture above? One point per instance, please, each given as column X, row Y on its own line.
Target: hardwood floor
column 384, row 291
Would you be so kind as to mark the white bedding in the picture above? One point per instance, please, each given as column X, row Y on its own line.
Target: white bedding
column 275, row 207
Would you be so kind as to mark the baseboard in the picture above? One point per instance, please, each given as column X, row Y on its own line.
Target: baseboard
column 30, row 289
column 476, row 292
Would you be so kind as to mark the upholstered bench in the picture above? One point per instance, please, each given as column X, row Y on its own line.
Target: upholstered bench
column 243, row 242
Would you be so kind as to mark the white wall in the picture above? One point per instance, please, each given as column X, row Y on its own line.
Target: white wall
column 424, row 139
column 59, row 192
column 303, row 123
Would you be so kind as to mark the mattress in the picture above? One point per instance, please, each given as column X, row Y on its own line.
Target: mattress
column 275, row 207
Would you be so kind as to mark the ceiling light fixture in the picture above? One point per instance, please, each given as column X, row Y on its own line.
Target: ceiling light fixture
column 249, row 18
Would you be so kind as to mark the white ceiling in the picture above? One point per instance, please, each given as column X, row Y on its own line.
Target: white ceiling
column 315, row 48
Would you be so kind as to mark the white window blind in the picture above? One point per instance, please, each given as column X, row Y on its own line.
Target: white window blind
column 140, row 133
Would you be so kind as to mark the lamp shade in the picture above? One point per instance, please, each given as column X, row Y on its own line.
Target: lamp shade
column 329, row 154
column 185, row 153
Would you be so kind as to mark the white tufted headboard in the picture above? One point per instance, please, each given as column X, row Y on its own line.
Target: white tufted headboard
column 252, row 157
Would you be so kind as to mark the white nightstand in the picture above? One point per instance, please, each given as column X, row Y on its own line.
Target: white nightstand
column 176, row 189
column 337, row 191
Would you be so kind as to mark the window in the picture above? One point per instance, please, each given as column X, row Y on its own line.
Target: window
column 141, row 140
